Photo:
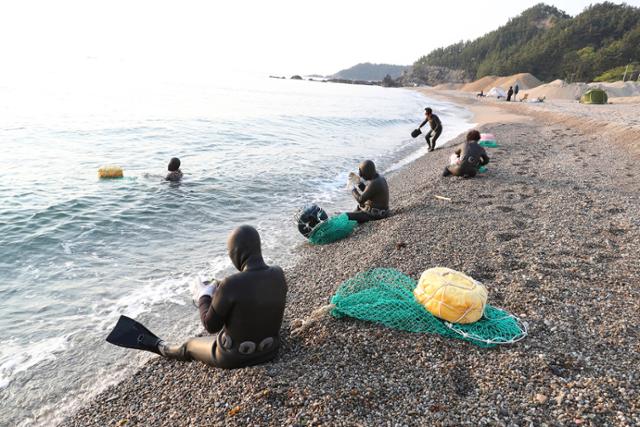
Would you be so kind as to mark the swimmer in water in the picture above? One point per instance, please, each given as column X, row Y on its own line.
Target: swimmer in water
column 175, row 174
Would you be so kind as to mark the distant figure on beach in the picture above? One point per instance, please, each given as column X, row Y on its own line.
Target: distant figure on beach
column 516, row 89
column 372, row 195
column 509, row 93
column 175, row 174
column 244, row 311
column 481, row 93
column 467, row 159
column 436, row 128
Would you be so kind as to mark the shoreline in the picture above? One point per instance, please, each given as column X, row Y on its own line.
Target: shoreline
column 549, row 229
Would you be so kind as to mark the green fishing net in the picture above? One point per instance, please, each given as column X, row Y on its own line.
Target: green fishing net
column 335, row 228
column 385, row 295
column 488, row 144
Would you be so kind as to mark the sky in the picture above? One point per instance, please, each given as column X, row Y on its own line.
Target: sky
column 198, row 39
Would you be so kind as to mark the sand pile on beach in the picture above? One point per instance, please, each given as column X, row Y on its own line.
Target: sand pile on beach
column 559, row 89
column 524, row 80
column 619, row 89
column 486, row 83
column 449, row 86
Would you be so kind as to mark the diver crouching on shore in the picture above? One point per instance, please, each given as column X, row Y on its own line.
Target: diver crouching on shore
column 372, row 195
column 468, row 158
column 245, row 310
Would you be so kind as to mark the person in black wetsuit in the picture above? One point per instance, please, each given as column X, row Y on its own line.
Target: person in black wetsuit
column 509, row 93
column 245, row 310
column 372, row 196
column 470, row 157
column 175, row 174
column 436, row 128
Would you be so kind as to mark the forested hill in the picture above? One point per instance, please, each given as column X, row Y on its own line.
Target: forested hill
column 549, row 44
column 369, row 71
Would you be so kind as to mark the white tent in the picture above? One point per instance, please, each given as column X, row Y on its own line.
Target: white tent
column 497, row 92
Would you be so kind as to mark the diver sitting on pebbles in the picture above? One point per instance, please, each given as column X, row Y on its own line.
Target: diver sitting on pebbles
column 372, row 195
column 245, row 309
column 175, row 174
column 468, row 158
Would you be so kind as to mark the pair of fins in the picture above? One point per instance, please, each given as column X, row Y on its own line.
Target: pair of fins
column 129, row 333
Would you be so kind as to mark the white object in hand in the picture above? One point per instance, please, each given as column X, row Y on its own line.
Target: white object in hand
column 354, row 182
column 200, row 288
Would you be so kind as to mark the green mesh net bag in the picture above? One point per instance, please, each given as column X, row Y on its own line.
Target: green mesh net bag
column 385, row 295
column 488, row 144
column 335, row 228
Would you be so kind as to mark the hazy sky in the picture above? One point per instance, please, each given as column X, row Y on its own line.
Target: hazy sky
column 182, row 38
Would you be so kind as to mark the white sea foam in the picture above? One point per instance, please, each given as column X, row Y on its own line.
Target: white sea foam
column 16, row 358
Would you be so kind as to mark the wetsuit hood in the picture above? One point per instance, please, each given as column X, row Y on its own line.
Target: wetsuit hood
column 368, row 170
column 174, row 164
column 244, row 248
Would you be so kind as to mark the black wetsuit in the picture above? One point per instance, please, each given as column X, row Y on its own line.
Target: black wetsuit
column 246, row 310
column 373, row 203
column 174, row 175
column 471, row 156
column 435, row 131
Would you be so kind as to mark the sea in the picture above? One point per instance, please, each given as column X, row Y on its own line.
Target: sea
column 76, row 251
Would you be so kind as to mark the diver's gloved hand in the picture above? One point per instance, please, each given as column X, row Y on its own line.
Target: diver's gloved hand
column 200, row 288
column 355, row 182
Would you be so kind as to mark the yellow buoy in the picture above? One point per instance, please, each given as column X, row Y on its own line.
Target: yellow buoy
column 110, row 172
column 451, row 295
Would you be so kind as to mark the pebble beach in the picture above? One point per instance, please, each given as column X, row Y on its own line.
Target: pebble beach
column 552, row 230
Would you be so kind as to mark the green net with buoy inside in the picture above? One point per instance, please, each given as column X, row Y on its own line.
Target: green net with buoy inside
column 385, row 296
column 333, row 229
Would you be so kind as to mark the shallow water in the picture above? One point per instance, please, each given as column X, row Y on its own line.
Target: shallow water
column 76, row 252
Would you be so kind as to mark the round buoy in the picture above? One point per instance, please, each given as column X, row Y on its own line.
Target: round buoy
column 451, row 295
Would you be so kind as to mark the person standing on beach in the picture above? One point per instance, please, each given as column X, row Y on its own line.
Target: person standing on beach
column 509, row 93
column 436, row 128
column 515, row 92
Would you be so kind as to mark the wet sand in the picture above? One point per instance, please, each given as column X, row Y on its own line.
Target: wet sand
column 552, row 229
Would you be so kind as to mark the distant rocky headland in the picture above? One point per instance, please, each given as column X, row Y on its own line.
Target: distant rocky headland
column 602, row 44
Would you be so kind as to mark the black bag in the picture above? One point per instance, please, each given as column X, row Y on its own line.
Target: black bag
column 309, row 217
column 415, row 133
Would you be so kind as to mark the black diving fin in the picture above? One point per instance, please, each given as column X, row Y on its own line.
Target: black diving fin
column 131, row 334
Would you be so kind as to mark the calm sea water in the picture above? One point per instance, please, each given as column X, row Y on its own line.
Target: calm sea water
column 77, row 252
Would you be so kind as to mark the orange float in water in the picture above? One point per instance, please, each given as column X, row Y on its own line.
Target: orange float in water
column 110, row 172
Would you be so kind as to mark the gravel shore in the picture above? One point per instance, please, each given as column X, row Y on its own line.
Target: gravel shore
column 553, row 231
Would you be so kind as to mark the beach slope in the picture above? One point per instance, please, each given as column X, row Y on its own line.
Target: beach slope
column 552, row 229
